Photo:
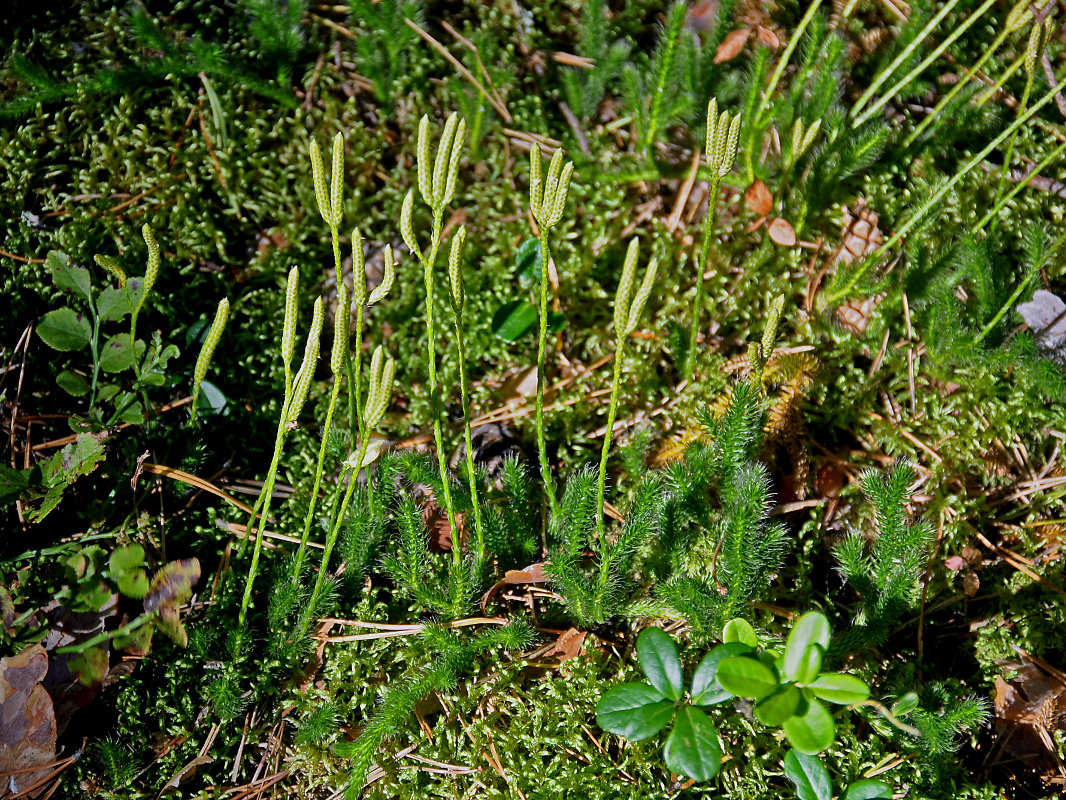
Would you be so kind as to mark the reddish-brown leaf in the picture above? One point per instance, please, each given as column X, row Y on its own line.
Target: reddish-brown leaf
column 28, row 732
column 767, row 37
column 782, row 232
column 732, row 45
column 758, row 199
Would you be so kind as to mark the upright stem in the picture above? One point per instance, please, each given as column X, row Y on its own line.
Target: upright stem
column 334, row 532
column 701, row 268
column 1009, row 155
column 479, row 551
column 268, row 488
column 434, row 391
column 619, row 353
column 542, row 449
column 318, row 479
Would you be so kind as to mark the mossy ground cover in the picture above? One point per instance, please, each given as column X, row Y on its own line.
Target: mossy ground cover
column 197, row 118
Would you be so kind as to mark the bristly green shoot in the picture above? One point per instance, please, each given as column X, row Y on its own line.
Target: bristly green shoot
column 547, row 200
column 627, row 310
column 723, row 135
column 437, row 187
column 214, row 333
column 457, row 297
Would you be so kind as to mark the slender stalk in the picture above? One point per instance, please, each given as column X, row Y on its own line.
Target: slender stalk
column 948, row 185
column 542, row 449
column 1008, row 156
column 434, row 389
column 471, row 474
column 782, row 62
column 1034, row 172
column 929, row 59
column 612, row 409
column 1007, row 306
column 268, row 488
column 334, row 532
column 300, row 553
column 904, row 54
column 701, row 269
column 961, row 84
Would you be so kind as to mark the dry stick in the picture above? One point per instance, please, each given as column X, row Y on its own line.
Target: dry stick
column 477, row 56
column 498, row 105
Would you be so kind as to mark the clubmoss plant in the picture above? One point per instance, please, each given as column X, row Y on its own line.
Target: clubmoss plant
column 723, row 134
column 547, row 201
column 457, row 298
column 296, row 389
column 437, row 187
column 627, row 310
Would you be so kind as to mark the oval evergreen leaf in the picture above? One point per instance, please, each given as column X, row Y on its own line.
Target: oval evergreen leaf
column 810, row 776
column 813, row 731
column 839, row 688
column 809, row 664
column 706, row 690
column 747, row 677
column 740, row 630
column 693, row 748
column 658, row 657
column 811, row 628
column 634, row 710
column 867, row 790
column 775, row 708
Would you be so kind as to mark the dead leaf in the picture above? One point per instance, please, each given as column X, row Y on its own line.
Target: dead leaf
column 534, row 573
column 767, row 37
column 28, row 732
column 782, row 232
column 955, row 563
column 168, row 621
column 970, row 583
column 732, row 45
column 1030, row 709
column 570, row 644
column 758, row 199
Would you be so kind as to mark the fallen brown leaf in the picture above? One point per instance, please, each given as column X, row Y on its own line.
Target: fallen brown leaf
column 28, row 732
column 732, row 45
column 758, row 199
column 782, row 232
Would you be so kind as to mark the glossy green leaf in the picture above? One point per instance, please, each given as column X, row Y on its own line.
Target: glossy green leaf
column 811, row 628
column 693, row 748
column 211, row 399
column 775, row 708
column 706, row 690
column 837, row 687
column 740, row 630
column 133, row 414
column 813, row 731
column 809, row 775
column 65, row 276
column 658, row 657
column 867, row 790
column 64, row 329
column 809, row 664
column 634, row 710
column 747, row 677
column 72, row 383
column 527, row 263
